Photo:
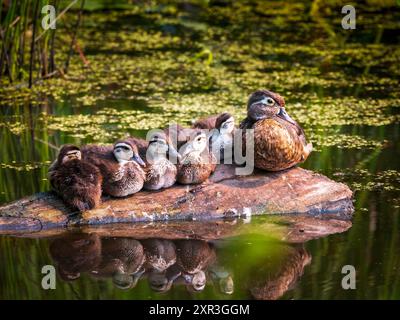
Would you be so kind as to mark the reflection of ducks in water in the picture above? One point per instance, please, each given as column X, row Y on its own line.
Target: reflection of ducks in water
column 291, row 269
column 193, row 257
column 160, row 254
column 122, row 259
column 125, row 260
column 223, row 279
column 76, row 253
column 161, row 281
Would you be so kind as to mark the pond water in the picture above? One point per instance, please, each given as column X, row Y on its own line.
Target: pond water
column 153, row 64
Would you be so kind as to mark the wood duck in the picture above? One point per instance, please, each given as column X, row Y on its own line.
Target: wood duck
column 222, row 128
column 76, row 181
column 279, row 141
column 197, row 162
column 160, row 156
column 120, row 166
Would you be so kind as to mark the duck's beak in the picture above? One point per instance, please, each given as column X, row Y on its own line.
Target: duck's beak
column 285, row 116
column 138, row 159
column 173, row 153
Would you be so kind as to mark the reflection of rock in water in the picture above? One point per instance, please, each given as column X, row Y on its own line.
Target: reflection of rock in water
column 75, row 253
column 284, row 278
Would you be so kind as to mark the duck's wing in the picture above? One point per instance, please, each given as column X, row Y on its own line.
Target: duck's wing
column 285, row 116
column 102, row 157
column 206, row 123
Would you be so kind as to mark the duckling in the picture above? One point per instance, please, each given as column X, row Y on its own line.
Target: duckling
column 279, row 141
column 197, row 162
column 76, row 181
column 120, row 167
column 160, row 171
column 222, row 128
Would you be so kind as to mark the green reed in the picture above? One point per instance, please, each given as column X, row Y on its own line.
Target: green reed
column 27, row 51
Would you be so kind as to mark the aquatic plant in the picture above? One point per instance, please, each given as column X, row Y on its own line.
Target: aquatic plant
column 28, row 52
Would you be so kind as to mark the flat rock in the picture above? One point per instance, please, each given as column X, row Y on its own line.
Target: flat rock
column 293, row 191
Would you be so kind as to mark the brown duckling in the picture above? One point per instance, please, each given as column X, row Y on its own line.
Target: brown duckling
column 76, row 181
column 160, row 157
column 222, row 128
column 197, row 162
column 279, row 141
column 120, row 167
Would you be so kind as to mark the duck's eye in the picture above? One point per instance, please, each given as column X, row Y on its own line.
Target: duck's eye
column 270, row 101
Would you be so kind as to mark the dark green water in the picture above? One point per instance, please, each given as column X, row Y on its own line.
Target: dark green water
column 154, row 64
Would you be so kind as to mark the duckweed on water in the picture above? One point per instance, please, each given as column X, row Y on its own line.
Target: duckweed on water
column 155, row 54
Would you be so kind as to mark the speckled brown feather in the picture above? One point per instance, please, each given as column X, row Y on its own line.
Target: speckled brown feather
column 195, row 173
column 119, row 255
column 160, row 253
column 194, row 255
column 160, row 175
column 206, row 123
column 78, row 183
column 278, row 145
column 118, row 181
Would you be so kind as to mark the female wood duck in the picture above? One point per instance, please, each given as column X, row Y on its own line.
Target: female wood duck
column 160, row 156
column 279, row 141
column 197, row 162
column 221, row 136
column 77, row 181
column 119, row 165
